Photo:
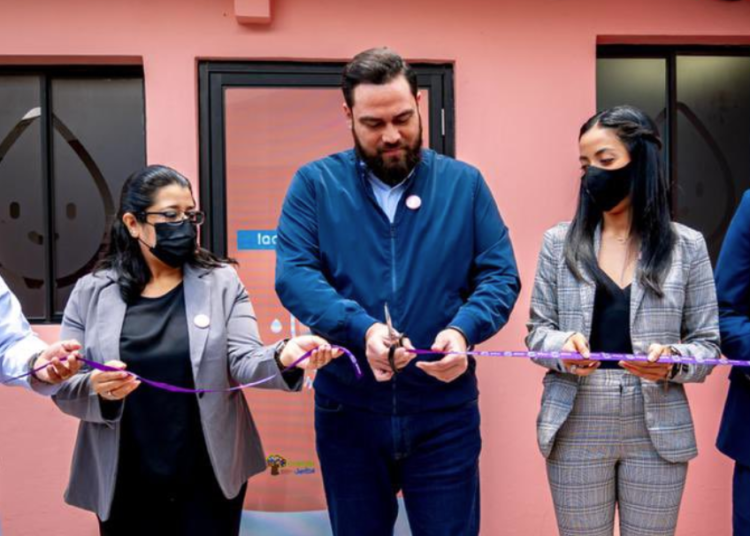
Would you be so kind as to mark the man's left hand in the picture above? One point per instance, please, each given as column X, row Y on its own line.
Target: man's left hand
column 58, row 371
column 454, row 364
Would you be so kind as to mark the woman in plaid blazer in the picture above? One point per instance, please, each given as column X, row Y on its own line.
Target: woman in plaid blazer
column 620, row 278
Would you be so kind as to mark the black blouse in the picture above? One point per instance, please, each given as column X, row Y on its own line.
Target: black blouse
column 610, row 325
column 162, row 447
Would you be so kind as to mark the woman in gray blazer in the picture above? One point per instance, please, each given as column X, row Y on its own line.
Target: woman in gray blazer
column 151, row 462
column 620, row 278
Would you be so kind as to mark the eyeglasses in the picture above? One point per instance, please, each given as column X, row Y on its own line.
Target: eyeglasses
column 175, row 217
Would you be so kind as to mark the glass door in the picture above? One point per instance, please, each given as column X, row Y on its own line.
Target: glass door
column 260, row 123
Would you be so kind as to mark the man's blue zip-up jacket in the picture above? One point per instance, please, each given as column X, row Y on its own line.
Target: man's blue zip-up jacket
column 448, row 263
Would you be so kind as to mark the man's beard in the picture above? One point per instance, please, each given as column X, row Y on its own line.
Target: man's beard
column 392, row 172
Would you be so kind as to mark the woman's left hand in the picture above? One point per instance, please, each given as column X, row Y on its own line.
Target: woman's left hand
column 651, row 370
column 322, row 353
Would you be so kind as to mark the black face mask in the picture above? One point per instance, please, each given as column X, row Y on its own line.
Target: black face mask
column 607, row 187
column 175, row 244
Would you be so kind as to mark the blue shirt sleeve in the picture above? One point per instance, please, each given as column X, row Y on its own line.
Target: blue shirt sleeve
column 17, row 342
column 300, row 283
column 495, row 280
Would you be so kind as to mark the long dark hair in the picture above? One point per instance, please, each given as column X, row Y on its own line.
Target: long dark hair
column 123, row 254
column 651, row 222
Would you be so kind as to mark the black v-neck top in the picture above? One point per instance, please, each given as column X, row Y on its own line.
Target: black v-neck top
column 610, row 324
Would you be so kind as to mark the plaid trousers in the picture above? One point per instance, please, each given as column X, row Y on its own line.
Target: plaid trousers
column 604, row 458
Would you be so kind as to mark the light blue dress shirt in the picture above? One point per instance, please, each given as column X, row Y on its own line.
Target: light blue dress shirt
column 388, row 197
column 18, row 343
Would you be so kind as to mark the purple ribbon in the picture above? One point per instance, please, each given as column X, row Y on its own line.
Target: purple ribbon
column 177, row 389
column 600, row 356
column 594, row 356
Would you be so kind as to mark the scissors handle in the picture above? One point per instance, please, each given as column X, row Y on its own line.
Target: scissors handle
column 392, row 353
column 397, row 340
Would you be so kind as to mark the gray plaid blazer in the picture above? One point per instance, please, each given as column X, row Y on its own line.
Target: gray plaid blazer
column 685, row 318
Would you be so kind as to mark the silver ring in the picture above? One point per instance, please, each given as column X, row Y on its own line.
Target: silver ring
column 573, row 369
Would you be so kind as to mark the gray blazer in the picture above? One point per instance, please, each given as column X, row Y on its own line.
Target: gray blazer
column 226, row 352
column 685, row 318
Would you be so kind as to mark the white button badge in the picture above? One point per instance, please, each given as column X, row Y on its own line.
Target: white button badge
column 202, row 321
column 413, row 202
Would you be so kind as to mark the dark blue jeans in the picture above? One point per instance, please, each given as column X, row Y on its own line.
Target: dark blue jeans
column 741, row 500
column 367, row 458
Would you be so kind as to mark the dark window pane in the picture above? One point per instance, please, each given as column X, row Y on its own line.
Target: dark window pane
column 99, row 139
column 640, row 82
column 713, row 142
column 22, row 213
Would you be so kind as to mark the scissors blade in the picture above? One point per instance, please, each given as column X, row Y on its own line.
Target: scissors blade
column 389, row 323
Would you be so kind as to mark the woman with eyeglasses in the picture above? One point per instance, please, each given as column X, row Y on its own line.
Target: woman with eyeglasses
column 621, row 278
column 147, row 461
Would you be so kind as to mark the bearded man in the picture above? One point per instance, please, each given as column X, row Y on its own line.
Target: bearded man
column 381, row 249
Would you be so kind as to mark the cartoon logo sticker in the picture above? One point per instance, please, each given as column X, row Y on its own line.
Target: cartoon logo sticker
column 276, row 462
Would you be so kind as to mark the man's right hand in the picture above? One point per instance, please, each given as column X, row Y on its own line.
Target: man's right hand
column 378, row 342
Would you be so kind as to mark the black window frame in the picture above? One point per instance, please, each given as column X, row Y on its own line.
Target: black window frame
column 46, row 74
column 670, row 54
column 215, row 76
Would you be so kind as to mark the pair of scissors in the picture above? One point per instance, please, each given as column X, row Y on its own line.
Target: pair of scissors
column 397, row 340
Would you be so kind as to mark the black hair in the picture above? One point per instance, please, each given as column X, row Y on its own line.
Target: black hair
column 123, row 252
column 651, row 221
column 376, row 66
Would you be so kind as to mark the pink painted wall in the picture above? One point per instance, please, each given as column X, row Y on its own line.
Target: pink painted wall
column 525, row 74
